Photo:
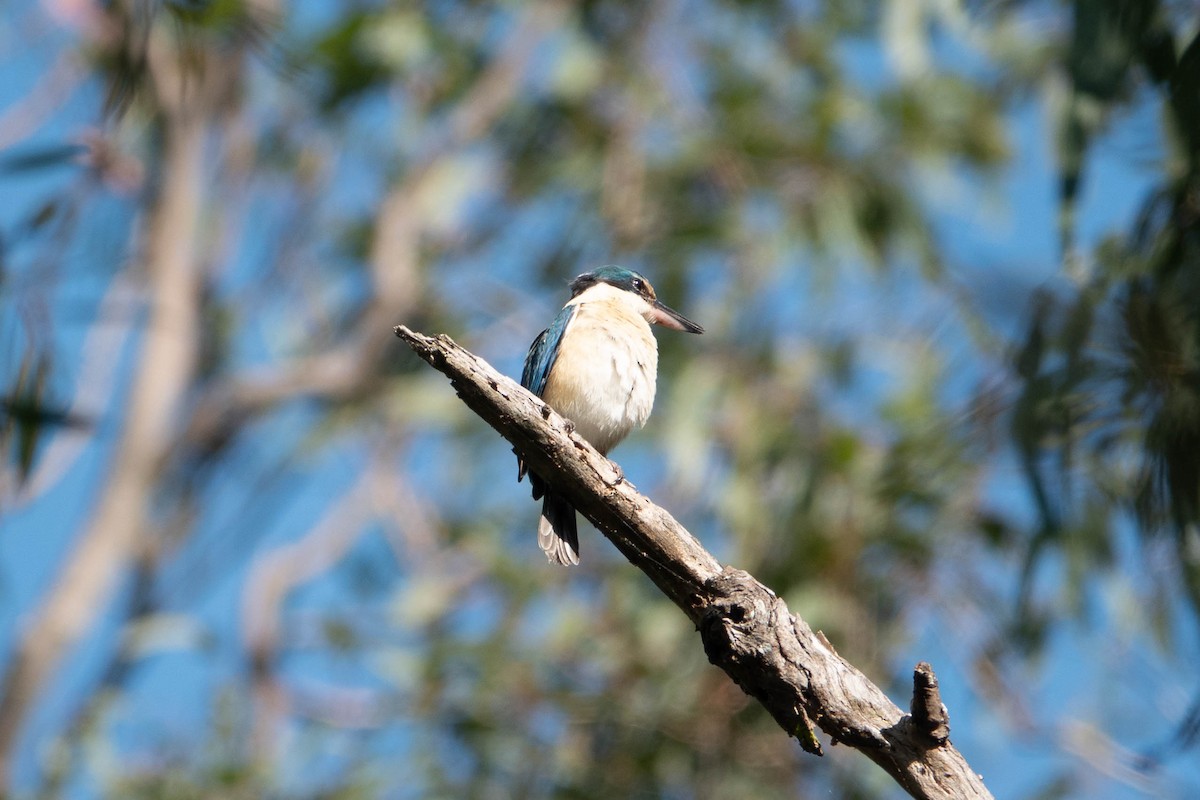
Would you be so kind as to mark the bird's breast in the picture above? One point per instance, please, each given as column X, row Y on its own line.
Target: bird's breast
column 603, row 379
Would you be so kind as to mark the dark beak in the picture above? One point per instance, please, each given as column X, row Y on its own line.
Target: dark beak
column 669, row 318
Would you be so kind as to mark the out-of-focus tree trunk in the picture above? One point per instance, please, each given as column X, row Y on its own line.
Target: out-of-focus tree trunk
column 119, row 525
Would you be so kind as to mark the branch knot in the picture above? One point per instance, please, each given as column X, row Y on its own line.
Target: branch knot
column 929, row 714
column 739, row 628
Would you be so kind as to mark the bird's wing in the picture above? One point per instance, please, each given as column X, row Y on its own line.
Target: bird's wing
column 538, row 363
column 544, row 351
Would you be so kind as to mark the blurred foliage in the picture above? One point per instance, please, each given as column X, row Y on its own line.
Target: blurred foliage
column 1109, row 367
column 768, row 165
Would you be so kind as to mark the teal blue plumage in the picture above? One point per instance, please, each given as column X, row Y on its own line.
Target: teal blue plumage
column 544, row 351
column 559, row 514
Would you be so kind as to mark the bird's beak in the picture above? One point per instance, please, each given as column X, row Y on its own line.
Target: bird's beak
column 669, row 318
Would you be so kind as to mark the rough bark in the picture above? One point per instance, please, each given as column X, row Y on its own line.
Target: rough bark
column 746, row 629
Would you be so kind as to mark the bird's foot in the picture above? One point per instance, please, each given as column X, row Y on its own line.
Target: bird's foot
column 618, row 474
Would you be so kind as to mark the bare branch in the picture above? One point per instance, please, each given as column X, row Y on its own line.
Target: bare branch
column 41, row 101
column 746, row 630
column 274, row 576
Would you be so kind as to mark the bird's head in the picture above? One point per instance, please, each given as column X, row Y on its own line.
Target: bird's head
column 626, row 280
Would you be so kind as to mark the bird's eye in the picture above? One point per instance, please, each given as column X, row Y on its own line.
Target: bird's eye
column 638, row 284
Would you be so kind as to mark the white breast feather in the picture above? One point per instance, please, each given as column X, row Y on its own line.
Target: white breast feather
column 604, row 377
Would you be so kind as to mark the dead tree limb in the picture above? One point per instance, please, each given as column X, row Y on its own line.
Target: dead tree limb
column 747, row 631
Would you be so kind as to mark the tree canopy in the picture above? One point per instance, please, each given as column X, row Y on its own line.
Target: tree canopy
column 947, row 255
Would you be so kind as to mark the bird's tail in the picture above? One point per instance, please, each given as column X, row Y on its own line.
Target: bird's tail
column 557, row 535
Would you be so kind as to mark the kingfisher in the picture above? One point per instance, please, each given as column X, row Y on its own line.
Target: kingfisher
column 596, row 365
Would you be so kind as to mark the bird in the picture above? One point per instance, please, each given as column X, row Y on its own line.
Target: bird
column 596, row 365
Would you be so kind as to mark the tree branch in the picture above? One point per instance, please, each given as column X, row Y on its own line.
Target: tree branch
column 772, row 654
column 394, row 257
